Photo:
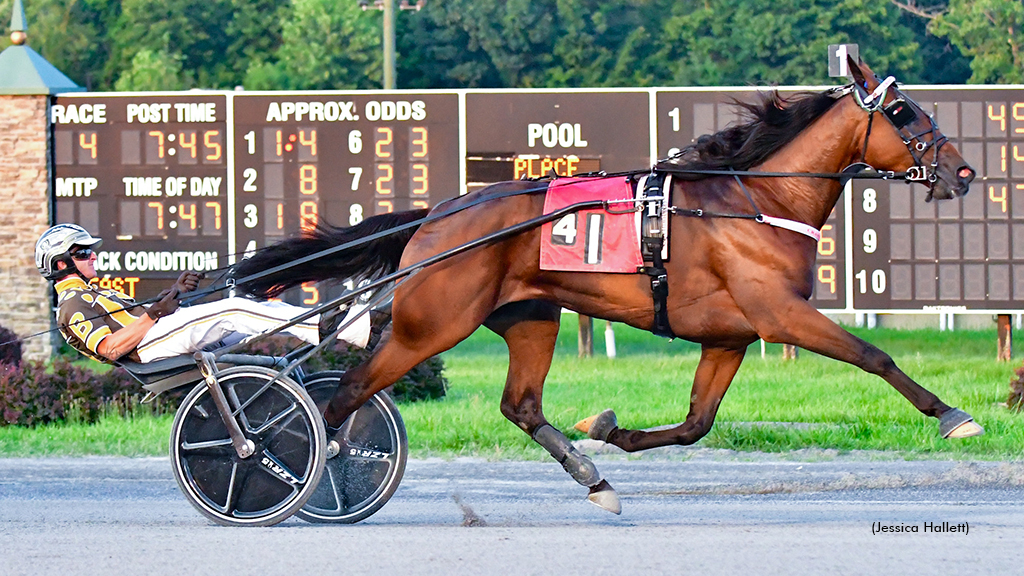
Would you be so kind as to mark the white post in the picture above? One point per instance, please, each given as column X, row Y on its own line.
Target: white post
column 609, row 339
column 942, row 321
column 872, row 320
column 762, row 349
column 858, row 319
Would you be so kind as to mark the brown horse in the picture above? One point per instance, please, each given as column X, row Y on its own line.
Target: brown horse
column 731, row 281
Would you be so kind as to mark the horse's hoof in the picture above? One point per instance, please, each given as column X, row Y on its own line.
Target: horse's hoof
column 956, row 423
column 598, row 426
column 602, row 494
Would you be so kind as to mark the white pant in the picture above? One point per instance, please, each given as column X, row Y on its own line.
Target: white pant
column 190, row 329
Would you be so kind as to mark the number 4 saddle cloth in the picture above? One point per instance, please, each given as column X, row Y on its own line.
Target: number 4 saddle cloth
column 592, row 240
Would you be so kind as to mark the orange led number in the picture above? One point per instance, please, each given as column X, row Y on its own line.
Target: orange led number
column 379, row 147
column 159, row 142
column 159, row 214
column 314, row 294
column 216, row 213
column 189, row 215
column 827, row 275
column 827, row 246
column 89, row 145
column 1001, row 117
column 420, row 142
column 998, row 198
column 311, row 142
column 307, row 179
column 212, row 145
column 423, row 187
column 308, row 216
column 386, row 175
column 189, row 145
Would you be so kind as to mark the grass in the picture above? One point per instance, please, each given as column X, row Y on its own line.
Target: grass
column 648, row 384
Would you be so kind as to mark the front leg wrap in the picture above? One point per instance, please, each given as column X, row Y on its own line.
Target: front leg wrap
column 577, row 464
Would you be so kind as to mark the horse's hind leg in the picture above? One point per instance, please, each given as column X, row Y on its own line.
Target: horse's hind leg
column 714, row 374
column 530, row 329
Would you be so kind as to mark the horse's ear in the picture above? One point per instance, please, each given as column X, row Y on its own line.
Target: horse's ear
column 858, row 75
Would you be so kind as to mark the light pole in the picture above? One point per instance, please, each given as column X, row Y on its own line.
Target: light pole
column 388, row 6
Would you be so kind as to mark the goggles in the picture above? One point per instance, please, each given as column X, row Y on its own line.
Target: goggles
column 82, row 254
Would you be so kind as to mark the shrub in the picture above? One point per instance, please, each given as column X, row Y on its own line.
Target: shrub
column 10, row 349
column 36, row 393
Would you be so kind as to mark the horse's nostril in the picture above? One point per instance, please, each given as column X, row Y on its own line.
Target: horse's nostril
column 965, row 173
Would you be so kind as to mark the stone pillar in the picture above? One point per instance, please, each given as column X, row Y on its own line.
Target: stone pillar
column 26, row 301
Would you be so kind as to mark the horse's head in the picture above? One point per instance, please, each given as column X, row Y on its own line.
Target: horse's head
column 908, row 139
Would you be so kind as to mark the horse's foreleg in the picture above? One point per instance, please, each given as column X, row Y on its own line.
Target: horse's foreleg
column 714, row 375
column 530, row 329
column 799, row 324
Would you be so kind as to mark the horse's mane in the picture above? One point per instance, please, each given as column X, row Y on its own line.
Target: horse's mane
column 772, row 122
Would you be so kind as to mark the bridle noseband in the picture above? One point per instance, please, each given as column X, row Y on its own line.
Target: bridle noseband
column 900, row 113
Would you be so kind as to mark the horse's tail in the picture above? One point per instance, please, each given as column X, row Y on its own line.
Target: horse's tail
column 375, row 258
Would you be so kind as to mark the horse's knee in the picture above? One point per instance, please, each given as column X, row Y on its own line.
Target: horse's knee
column 523, row 412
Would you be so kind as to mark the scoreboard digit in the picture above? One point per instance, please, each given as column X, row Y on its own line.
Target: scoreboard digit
column 148, row 175
column 307, row 159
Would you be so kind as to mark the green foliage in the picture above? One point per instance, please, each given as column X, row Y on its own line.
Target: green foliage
column 991, row 33
column 193, row 28
column 325, row 45
column 71, row 34
column 153, row 71
column 328, row 44
column 738, row 42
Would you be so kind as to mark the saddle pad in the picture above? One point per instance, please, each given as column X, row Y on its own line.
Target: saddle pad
column 592, row 240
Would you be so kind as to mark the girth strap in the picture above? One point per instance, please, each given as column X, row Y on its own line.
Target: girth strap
column 652, row 231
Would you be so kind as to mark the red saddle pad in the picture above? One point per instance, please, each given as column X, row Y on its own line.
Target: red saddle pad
column 593, row 240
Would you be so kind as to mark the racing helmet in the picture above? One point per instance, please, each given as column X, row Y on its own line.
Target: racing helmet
column 55, row 244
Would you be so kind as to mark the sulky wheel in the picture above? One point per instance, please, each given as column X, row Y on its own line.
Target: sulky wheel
column 371, row 450
column 272, row 484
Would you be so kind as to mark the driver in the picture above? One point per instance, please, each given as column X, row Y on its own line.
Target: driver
column 107, row 325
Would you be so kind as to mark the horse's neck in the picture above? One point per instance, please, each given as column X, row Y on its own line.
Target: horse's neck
column 829, row 144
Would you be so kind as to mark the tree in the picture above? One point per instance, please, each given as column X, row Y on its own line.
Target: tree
column 195, row 29
column 71, row 35
column 737, row 42
column 151, row 70
column 326, row 44
column 991, row 33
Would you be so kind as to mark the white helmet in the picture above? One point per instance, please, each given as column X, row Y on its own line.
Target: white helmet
column 55, row 244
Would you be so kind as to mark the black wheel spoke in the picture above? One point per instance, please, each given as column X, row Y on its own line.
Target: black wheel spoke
column 232, row 497
column 274, row 421
column 210, row 448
